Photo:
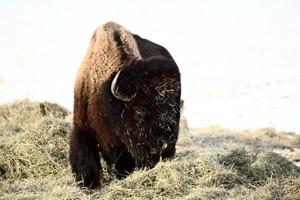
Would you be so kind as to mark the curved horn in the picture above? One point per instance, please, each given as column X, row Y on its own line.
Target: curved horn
column 114, row 89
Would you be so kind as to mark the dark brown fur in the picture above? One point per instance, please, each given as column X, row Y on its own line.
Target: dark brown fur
column 131, row 134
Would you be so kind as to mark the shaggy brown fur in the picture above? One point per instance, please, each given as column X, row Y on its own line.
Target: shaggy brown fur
column 127, row 134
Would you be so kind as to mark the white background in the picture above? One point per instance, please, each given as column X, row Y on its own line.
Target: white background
column 239, row 59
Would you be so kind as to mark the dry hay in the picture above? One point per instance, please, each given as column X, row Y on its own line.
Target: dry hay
column 37, row 145
column 20, row 116
column 34, row 165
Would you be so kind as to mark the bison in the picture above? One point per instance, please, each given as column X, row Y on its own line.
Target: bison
column 126, row 105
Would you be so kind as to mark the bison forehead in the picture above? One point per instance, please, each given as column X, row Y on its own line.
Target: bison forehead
column 160, row 100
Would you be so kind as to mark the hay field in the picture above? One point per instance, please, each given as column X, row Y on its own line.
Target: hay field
column 211, row 163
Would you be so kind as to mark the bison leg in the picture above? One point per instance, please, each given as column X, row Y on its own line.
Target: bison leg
column 84, row 158
column 124, row 165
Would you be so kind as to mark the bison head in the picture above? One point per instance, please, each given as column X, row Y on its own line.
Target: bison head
column 149, row 94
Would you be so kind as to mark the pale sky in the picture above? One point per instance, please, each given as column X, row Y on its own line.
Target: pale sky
column 239, row 60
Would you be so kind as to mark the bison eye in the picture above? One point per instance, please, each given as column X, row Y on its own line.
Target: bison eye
column 139, row 113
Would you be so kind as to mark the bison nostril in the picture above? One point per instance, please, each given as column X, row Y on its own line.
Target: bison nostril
column 160, row 142
column 172, row 138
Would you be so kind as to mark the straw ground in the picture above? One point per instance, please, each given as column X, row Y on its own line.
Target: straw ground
column 211, row 163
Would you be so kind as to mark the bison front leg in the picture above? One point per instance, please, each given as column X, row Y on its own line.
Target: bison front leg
column 124, row 165
column 84, row 158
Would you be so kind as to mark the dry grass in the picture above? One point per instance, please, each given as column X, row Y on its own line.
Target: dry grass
column 211, row 163
column 284, row 143
column 265, row 137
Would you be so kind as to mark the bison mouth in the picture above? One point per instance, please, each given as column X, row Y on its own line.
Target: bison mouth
column 149, row 157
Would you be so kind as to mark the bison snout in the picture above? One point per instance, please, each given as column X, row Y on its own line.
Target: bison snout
column 163, row 142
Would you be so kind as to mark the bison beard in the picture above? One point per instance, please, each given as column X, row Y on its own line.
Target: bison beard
column 126, row 105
